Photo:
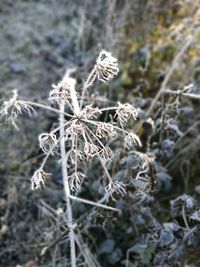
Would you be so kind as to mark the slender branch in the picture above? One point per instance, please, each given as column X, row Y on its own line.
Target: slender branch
column 115, row 127
column 46, row 107
column 96, row 204
column 192, row 96
column 184, row 217
column 100, row 159
column 66, row 187
column 89, row 81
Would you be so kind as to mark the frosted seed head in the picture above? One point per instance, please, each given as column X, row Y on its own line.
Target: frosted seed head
column 61, row 91
column 126, row 111
column 76, row 180
column 48, row 142
column 106, row 66
column 38, row 179
column 115, row 188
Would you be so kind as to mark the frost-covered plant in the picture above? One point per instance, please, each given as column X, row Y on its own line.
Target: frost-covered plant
column 86, row 136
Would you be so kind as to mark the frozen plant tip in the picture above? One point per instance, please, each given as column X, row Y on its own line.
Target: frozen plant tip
column 48, row 142
column 76, row 180
column 107, row 66
column 62, row 90
column 105, row 130
column 125, row 111
column 132, row 139
column 115, row 187
column 106, row 153
column 90, row 113
column 38, row 179
column 12, row 108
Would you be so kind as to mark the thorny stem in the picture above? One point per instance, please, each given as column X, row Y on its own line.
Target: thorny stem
column 66, row 187
column 45, row 107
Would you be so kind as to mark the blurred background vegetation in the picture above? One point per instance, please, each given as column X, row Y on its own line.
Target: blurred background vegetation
column 39, row 39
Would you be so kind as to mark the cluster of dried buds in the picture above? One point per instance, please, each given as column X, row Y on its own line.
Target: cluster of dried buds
column 84, row 133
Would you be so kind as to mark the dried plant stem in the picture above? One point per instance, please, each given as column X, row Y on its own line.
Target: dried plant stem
column 184, row 217
column 89, row 81
column 75, row 103
column 115, row 127
column 100, row 159
column 192, row 96
column 66, row 187
column 45, row 107
column 96, row 204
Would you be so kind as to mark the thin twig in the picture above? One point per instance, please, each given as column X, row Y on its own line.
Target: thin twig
column 39, row 105
column 192, row 96
column 89, row 202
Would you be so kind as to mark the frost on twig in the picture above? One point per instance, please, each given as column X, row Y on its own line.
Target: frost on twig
column 106, row 66
column 12, row 108
column 61, row 91
column 124, row 112
column 75, row 181
column 114, row 188
column 38, row 179
column 48, row 142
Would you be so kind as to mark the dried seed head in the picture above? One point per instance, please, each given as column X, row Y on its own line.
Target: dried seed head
column 115, row 187
column 90, row 150
column 48, row 142
column 76, row 180
column 132, row 139
column 106, row 66
column 106, row 153
column 61, row 91
column 38, row 179
column 75, row 155
column 75, row 129
column 125, row 111
column 90, row 113
column 105, row 130
column 12, row 108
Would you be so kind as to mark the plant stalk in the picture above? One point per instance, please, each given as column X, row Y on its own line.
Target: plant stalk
column 66, row 187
